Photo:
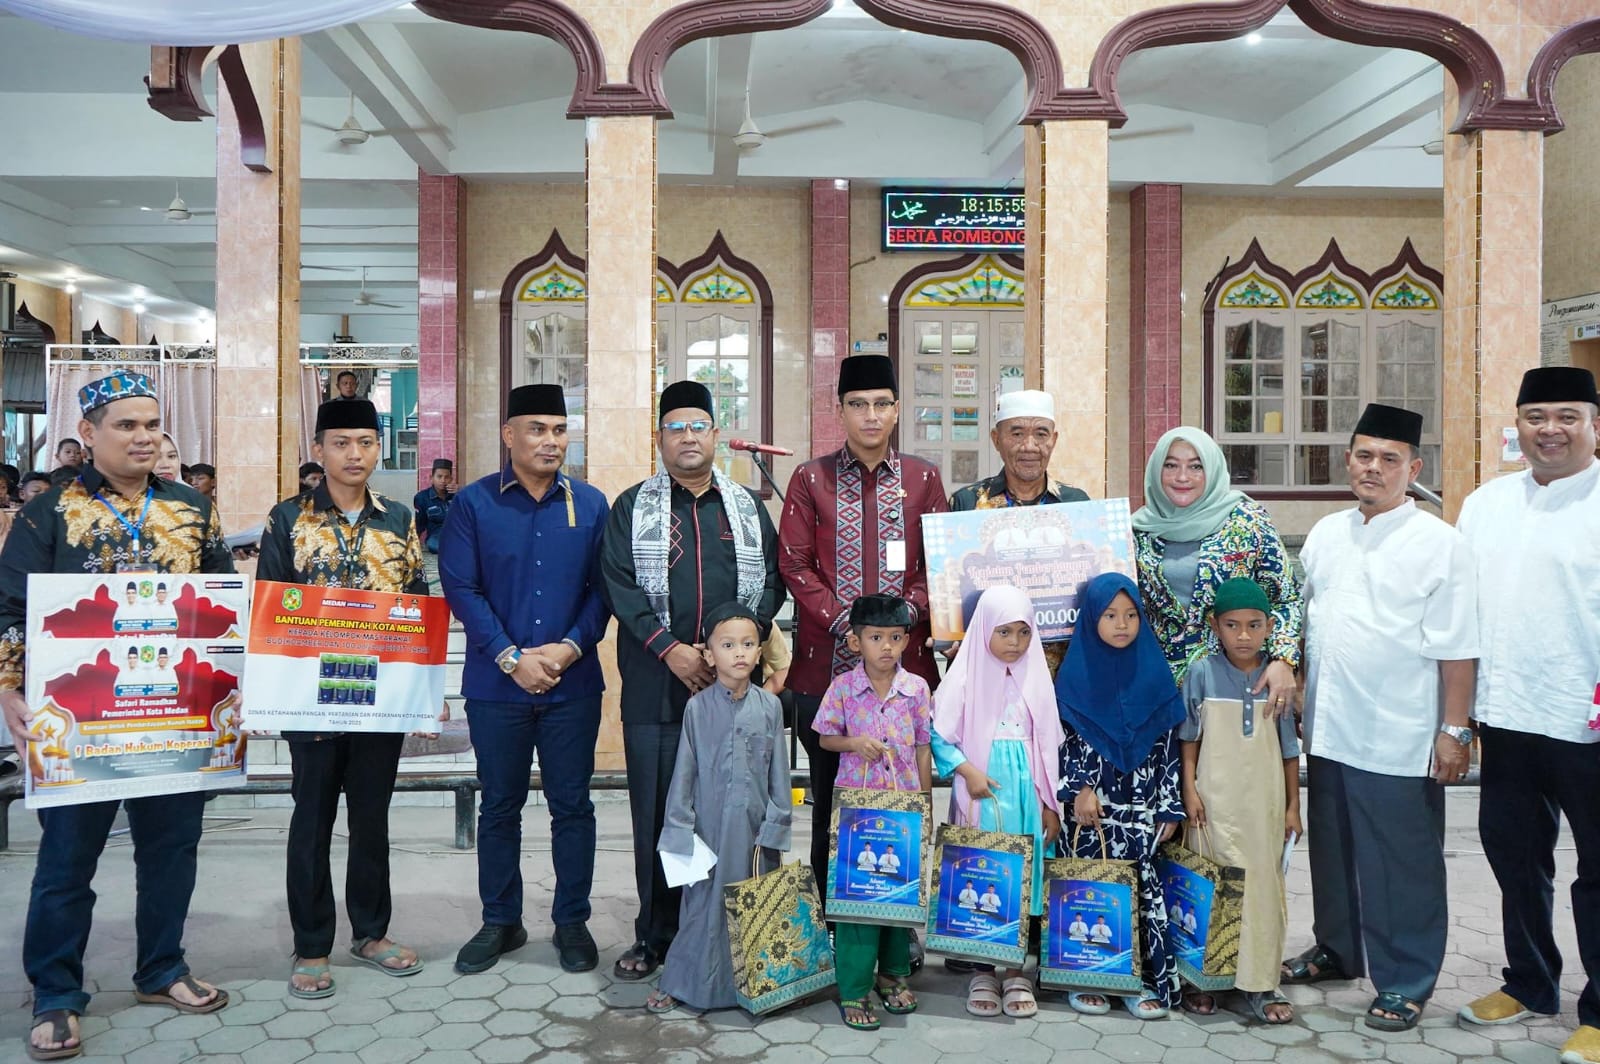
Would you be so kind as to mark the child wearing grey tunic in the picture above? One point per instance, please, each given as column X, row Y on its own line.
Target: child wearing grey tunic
column 730, row 786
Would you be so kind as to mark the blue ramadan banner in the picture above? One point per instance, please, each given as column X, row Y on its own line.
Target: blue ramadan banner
column 875, row 875
column 1089, row 935
column 1188, row 896
column 982, row 898
column 1048, row 551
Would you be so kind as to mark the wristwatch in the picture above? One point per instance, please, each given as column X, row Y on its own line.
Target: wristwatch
column 508, row 660
column 1460, row 734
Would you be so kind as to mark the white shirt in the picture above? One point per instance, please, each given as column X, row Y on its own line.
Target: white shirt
column 888, row 863
column 1386, row 601
column 1101, row 933
column 867, row 862
column 1078, row 930
column 1537, row 549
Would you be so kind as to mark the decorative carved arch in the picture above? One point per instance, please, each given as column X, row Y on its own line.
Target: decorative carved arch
column 1408, row 259
column 592, row 94
column 29, row 330
column 1469, row 58
column 1568, row 43
column 174, row 85
column 556, row 250
column 1332, row 261
column 917, row 274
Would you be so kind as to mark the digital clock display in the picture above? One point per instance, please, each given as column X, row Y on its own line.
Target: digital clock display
column 949, row 219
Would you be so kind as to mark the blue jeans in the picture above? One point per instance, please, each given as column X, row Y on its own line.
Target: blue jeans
column 166, row 839
column 504, row 737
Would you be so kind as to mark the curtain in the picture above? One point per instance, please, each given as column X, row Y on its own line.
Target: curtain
column 188, row 409
column 61, row 408
column 196, row 22
column 310, row 399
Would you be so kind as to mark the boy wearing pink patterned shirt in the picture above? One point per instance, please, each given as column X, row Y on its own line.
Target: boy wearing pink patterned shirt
column 878, row 718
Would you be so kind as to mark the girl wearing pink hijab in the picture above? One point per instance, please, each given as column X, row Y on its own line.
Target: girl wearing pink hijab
column 997, row 730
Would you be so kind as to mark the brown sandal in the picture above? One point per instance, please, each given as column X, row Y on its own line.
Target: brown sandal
column 218, row 1000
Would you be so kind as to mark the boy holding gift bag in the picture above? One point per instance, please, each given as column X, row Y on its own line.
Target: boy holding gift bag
column 996, row 729
column 877, row 718
column 730, row 786
column 1241, row 782
column 1119, row 764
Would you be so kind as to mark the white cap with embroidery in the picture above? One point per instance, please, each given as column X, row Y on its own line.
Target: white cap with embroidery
column 1025, row 404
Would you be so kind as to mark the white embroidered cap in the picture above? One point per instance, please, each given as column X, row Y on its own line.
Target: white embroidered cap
column 1025, row 404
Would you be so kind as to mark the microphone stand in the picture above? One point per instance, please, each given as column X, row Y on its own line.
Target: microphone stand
column 766, row 474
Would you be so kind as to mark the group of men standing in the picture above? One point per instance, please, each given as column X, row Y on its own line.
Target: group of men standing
column 534, row 562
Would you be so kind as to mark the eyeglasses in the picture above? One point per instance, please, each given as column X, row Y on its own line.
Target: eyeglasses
column 699, row 428
column 877, row 406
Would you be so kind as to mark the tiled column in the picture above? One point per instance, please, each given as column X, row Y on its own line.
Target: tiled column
column 441, row 216
column 1493, row 217
column 1066, row 182
column 830, row 308
column 1156, row 320
column 621, row 329
column 258, row 295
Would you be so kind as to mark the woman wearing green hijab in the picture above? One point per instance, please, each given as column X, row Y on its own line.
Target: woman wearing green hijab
column 1193, row 533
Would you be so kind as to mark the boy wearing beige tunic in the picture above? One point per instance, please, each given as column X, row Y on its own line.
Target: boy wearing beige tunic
column 1241, row 787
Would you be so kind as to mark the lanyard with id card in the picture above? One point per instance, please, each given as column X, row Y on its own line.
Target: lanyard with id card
column 136, row 563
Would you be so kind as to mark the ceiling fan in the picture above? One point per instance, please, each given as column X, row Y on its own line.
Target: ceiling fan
column 178, row 210
column 364, row 297
column 750, row 136
column 1154, row 131
column 352, row 134
column 1434, row 145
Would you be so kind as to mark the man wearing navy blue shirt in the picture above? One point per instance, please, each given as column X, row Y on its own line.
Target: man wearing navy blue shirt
column 432, row 504
column 518, row 561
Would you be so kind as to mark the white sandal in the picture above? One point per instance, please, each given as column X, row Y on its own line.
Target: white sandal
column 1019, row 1004
column 1079, row 1000
column 984, row 989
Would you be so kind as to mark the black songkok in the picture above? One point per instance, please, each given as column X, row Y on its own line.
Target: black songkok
column 863, row 373
column 347, row 414
column 1390, row 423
column 727, row 612
column 443, row 463
column 686, row 395
column 547, row 400
column 1557, row 384
column 880, row 611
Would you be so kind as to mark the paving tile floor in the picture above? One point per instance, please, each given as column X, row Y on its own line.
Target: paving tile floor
column 527, row 1009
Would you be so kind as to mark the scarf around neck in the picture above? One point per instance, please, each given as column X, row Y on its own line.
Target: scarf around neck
column 970, row 702
column 1161, row 517
column 1120, row 701
column 652, row 542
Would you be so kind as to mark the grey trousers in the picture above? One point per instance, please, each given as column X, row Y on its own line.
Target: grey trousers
column 1377, row 874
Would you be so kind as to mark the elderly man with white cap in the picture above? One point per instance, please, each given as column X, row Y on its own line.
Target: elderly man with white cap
column 1025, row 435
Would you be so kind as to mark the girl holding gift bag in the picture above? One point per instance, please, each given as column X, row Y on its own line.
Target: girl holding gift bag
column 996, row 729
column 1119, row 762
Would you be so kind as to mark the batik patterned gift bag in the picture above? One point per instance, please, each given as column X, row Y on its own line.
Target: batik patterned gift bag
column 1205, row 909
column 1091, row 935
column 778, row 939
column 877, row 842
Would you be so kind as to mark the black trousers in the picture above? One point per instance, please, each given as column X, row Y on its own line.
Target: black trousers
column 361, row 765
column 1529, row 781
column 650, row 751
column 1362, row 828
column 824, row 769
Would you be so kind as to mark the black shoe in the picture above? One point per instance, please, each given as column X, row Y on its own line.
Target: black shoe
column 576, row 947
column 481, row 953
column 916, row 952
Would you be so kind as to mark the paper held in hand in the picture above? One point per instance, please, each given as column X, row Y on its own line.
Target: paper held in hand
column 682, row 871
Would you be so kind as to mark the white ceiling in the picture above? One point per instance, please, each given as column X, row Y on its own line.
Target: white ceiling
column 1288, row 113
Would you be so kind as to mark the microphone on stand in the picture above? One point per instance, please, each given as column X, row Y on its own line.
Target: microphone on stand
column 757, row 448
